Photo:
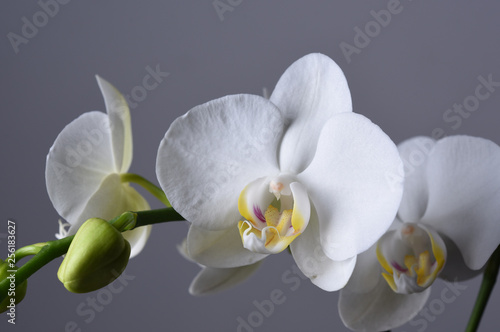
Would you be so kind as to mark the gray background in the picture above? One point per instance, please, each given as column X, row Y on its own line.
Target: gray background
column 425, row 60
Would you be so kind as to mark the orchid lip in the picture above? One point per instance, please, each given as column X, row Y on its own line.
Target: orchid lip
column 280, row 211
column 417, row 255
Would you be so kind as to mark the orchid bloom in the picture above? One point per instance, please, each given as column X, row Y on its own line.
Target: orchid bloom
column 84, row 166
column 256, row 176
column 447, row 226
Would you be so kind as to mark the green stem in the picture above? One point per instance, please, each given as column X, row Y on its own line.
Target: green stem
column 153, row 189
column 32, row 249
column 46, row 252
column 489, row 279
column 151, row 217
column 125, row 221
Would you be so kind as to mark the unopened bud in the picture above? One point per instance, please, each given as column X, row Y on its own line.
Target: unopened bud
column 96, row 257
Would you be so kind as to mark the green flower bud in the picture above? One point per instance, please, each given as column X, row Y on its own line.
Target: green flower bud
column 15, row 294
column 96, row 257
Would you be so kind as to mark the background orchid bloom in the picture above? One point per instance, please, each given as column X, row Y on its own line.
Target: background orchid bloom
column 84, row 166
column 448, row 225
column 255, row 176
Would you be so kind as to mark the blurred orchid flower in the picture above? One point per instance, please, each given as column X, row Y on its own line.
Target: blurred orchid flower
column 85, row 164
column 447, row 226
column 255, row 176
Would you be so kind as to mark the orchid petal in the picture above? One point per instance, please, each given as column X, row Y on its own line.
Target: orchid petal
column 366, row 272
column 308, row 93
column 112, row 199
column 213, row 280
column 464, row 191
column 415, row 152
column 380, row 309
column 325, row 273
column 254, row 201
column 355, row 183
column 121, row 128
column 219, row 249
column 301, row 208
column 210, row 154
column 182, row 248
column 455, row 268
column 78, row 162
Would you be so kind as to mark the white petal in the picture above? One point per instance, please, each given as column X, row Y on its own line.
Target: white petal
column 380, row 309
column 415, row 152
column 301, row 207
column 254, row 200
column 355, row 183
column 210, row 154
column 109, row 201
column 213, row 280
column 464, row 191
column 308, row 93
column 455, row 268
column 137, row 239
column 78, row 162
column 220, row 249
column 183, row 250
column 121, row 129
column 366, row 272
column 325, row 273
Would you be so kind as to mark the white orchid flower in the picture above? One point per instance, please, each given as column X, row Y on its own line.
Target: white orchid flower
column 255, row 176
column 84, row 166
column 447, row 226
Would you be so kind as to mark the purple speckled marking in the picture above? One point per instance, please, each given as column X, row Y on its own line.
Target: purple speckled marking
column 258, row 213
column 399, row 267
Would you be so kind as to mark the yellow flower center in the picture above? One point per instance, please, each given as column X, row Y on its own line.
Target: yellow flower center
column 275, row 212
column 411, row 257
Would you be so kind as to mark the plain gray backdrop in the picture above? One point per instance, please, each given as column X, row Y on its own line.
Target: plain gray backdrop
column 404, row 78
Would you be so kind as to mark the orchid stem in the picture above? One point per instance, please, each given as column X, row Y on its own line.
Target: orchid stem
column 32, row 249
column 48, row 251
column 149, row 186
column 152, row 217
column 489, row 280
